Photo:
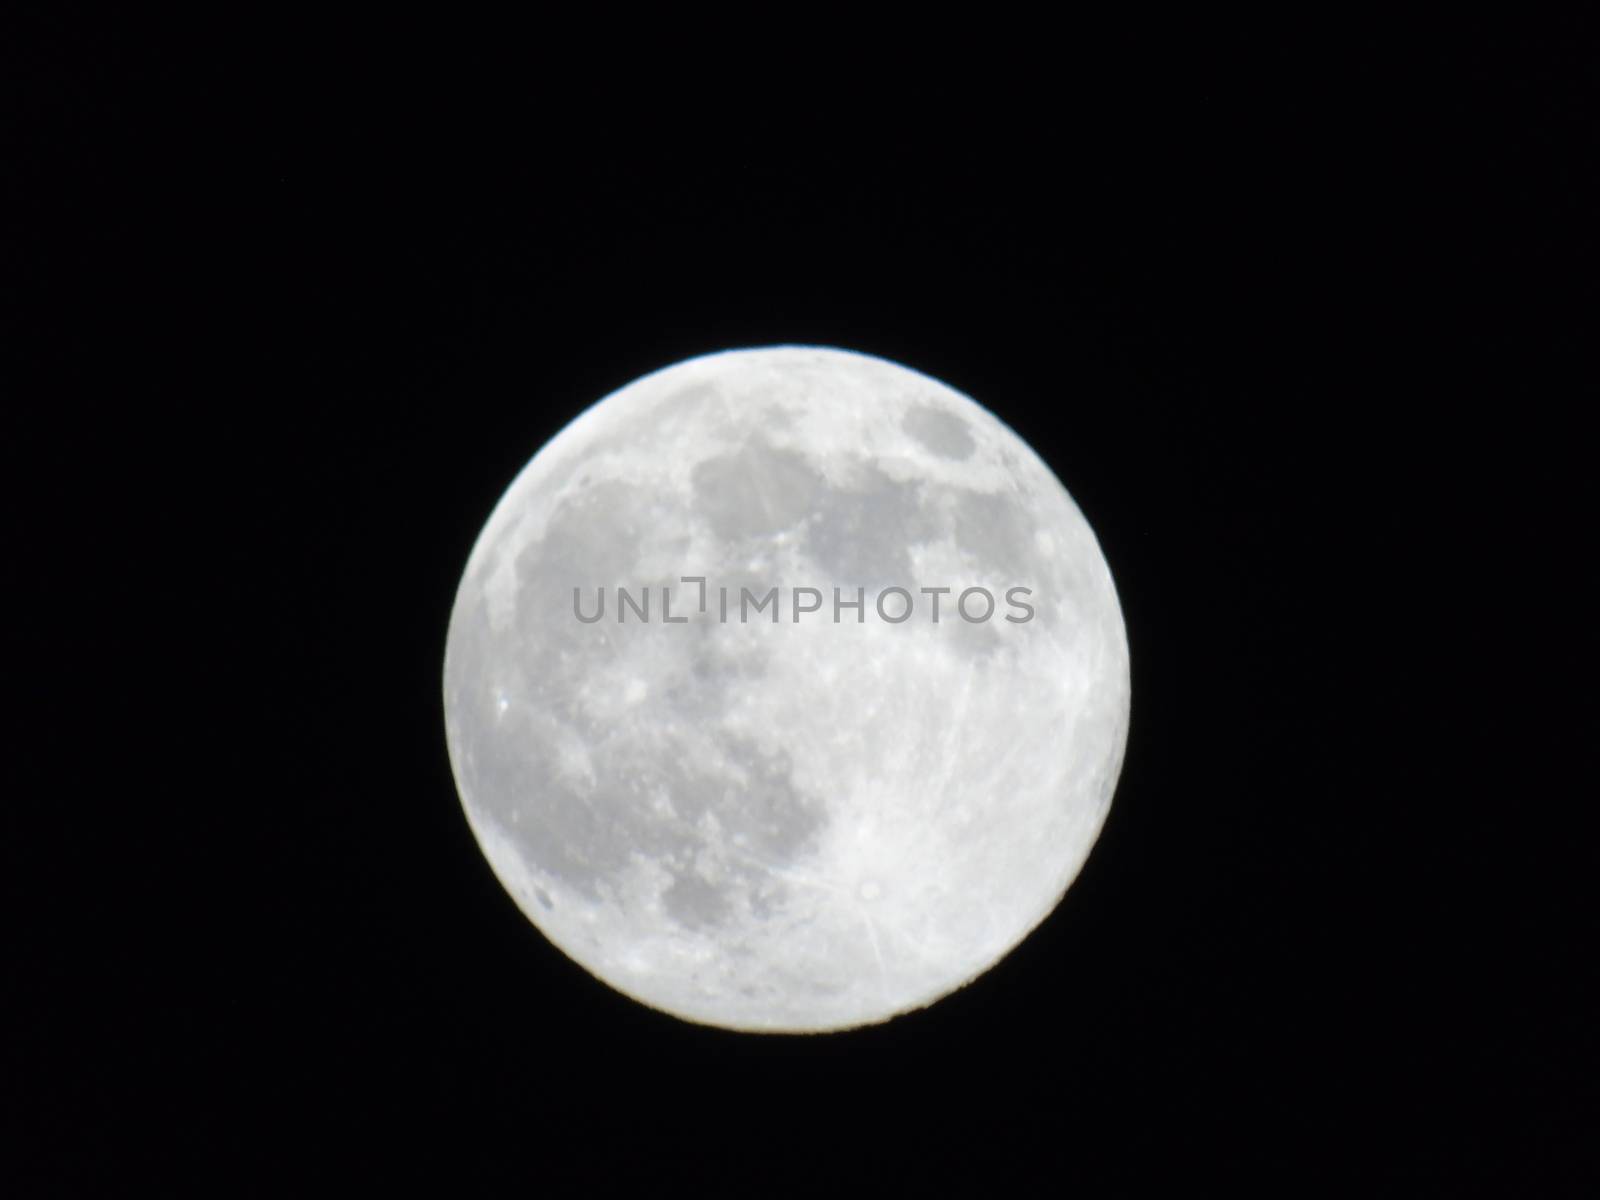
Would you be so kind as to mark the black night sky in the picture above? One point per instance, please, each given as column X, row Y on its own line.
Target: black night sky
column 285, row 313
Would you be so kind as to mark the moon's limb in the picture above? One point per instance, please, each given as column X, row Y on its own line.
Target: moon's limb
column 792, row 825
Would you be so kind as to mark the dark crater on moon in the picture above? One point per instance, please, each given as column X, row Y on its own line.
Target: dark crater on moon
column 944, row 433
column 715, row 825
column 758, row 490
column 863, row 537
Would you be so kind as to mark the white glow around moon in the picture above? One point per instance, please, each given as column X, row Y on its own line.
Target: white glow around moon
column 802, row 824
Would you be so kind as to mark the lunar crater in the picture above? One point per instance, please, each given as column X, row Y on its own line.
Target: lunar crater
column 942, row 432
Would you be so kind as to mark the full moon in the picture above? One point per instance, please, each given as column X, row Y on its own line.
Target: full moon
column 786, row 690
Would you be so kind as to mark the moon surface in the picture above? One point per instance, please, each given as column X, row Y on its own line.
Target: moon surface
column 808, row 814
